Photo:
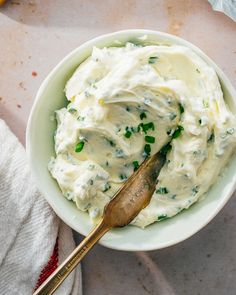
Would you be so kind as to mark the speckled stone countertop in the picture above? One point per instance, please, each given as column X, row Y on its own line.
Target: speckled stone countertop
column 34, row 36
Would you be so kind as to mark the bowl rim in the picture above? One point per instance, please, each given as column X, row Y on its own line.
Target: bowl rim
column 121, row 33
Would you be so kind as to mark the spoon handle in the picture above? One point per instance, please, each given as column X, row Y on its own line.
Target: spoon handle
column 61, row 273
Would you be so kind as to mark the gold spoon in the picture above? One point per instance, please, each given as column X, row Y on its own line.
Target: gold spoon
column 133, row 196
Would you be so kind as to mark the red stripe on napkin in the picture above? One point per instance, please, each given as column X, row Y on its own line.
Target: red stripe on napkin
column 50, row 267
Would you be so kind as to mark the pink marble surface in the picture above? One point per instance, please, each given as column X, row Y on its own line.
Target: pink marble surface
column 34, row 36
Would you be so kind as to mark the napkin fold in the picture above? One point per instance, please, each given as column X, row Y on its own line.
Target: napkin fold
column 228, row 7
column 33, row 240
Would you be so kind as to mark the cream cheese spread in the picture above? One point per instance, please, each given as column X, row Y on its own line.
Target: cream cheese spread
column 127, row 103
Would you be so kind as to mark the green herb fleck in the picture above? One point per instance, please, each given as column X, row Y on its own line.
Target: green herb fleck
column 80, row 118
column 91, row 181
column 111, row 142
column 181, row 108
column 162, row 191
column 127, row 133
column 106, row 187
column 149, row 139
column 162, row 217
column 146, row 127
column 195, row 190
column 127, row 109
column 211, row 138
column 72, row 110
column 178, row 131
column 152, row 59
column 143, row 116
column 197, row 70
column 172, row 116
column 123, row 176
column 79, row 146
column 147, row 149
column 136, row 165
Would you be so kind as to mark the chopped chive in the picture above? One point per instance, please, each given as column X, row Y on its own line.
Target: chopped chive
column 106, row 187
column 143, row 116
column 211, row 138
column 147, row 149
column 111, row 142
column 195, row 190
column 146, row 127
column 149, row 125
column 166, row 148
column 200, row 121
column 178, row 131
column 80, row 118
column 123, row 176
column 127, row 134
column 118, row 129
column 172, row 116
column 128, row 131
column 72, row 110
column 127, row 109
column 162, row 217
column 197, row 70
column 140, row 126
column 152, row 59
column 149, row 139
column 136, row 165
column 79, row 146
column 162, row 191
column 181, row 108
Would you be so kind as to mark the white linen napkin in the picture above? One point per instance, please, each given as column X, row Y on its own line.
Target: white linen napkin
column 228, row 7
column 33, row 240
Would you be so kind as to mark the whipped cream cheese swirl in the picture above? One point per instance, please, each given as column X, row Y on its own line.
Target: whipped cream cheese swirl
column 127, row 103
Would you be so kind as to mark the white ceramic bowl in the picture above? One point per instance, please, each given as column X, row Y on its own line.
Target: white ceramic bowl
column 40, row 147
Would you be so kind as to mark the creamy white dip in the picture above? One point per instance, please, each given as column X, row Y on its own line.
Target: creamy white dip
column 129, row 102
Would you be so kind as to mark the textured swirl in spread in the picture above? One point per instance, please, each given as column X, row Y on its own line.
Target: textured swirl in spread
column 126, row 103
